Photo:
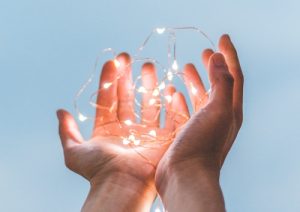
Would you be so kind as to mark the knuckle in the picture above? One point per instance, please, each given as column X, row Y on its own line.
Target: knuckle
column 68, row 164
column 239, row 120
column 69, row 157
column 227, row 78
column 221, row 113
column 241, row 76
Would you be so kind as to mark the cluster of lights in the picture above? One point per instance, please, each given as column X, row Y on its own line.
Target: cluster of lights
column 170, row 72
column 131, row 139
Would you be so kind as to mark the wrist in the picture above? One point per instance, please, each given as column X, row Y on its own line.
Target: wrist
column 119, row 192
column 169, row 169
column 191, row 186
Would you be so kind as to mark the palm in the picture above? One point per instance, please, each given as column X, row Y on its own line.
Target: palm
column 105, row 152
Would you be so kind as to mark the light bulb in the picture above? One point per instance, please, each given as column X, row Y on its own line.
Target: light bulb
column 175, row 65
column 152, row 101
column 126, row 141
column 131, row 137
column 157, row 210
column 194, row 90
column 107, row 85
column 170, row 75
column 160, row 30
column 128, row 122
column 81, row 117
column 155, row 92
column 162, row 86
column 142, row 90
column 136, row 142
column 117, row 63
column 168, row 98
column 152, row 133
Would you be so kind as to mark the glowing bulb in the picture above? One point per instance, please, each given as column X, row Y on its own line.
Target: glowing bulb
column 155, row 92
column 194, row 90
column 142, row 89
column 157, row 210
column 117, row 63
column 126, row 141
column 82, row 117
column 160, row 30
column 162, row 86
column 152, row 133
column 131, row 137
column 175, row 65
column 107, row 85
column 128, row 122
column 136, row 142
column 152, row 101
column 168, row 98
column 170, row 75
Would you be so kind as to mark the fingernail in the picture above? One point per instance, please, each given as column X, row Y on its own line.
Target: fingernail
column 218, row 59
column 227, row 36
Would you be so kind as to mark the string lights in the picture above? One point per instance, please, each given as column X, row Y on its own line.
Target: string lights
column 158, row 98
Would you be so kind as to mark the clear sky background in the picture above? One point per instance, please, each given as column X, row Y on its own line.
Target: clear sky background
column 47, row 48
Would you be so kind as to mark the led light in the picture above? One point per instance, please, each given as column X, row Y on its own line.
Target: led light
column 168, row 98
column 131, row 137
column 128, row 122
column 142, row 90
column 155, row 92
column 152, row 133
column 136, row 142
column 170, row 75
column 160, row 30
column 81, row 117
column 117, row 63
column 152, row 101
column 107, row 85
column 162, row 86
column 194, row 90
column 126, row 141
column 175, row 65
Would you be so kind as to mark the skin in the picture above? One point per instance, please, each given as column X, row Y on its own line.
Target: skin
column 115, row 171
column 186, row 175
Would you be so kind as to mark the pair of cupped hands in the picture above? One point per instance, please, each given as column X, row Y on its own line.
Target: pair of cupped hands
column 186, row 172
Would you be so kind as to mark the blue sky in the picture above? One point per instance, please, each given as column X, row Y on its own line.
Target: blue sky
column 47, row 49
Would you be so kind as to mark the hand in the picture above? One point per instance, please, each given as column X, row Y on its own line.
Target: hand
column 121, row 179
column 187, row 176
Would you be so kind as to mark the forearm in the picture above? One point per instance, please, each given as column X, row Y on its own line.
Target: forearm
column 119, row 193
column 192, row 189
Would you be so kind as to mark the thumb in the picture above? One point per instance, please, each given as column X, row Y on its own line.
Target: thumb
column 220, row 79
column 68, row 130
